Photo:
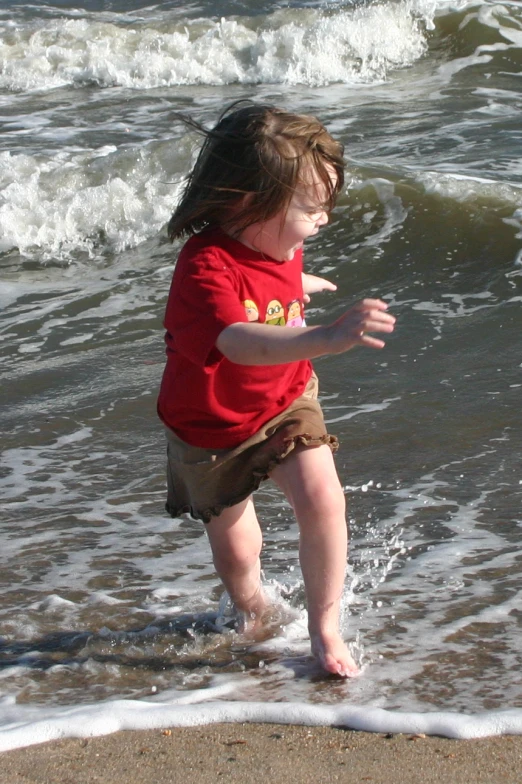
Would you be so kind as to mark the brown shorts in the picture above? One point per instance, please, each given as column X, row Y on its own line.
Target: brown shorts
column 203, row 482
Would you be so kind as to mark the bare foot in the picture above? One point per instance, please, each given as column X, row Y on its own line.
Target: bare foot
column 247, row 620
column 264, row 619
column 269, row 624
column 333, row 655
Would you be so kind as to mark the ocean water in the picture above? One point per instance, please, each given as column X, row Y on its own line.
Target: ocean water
column 109, row 610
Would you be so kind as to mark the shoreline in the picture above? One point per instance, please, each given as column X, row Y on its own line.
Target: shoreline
column 247, row 753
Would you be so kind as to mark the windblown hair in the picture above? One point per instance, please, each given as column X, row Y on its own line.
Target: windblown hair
column 259, row 152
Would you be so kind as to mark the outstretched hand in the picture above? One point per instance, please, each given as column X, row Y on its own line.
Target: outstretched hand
column 352, row 328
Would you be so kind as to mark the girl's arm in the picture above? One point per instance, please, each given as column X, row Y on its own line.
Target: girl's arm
column 266, row 344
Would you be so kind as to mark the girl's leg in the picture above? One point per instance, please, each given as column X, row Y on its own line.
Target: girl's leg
column 309, row 480
column 236, row 540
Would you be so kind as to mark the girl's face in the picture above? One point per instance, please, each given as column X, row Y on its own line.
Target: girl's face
column 283, row 234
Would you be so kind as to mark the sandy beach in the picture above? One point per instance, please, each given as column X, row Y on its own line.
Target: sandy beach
column 276, row 754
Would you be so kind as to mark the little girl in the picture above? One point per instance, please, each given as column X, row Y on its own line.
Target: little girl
column 239, row 395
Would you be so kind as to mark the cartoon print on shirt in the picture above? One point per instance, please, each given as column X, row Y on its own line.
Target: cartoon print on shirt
column 275, row 313
column 252, row 311
column 294, row 318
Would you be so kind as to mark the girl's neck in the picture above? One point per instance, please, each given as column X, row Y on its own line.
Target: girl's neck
column 238, row 236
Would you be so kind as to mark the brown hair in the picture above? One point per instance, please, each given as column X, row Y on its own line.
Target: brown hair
column 260, row 150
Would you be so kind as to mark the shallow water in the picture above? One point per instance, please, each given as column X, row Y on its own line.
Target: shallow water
column 103, row 597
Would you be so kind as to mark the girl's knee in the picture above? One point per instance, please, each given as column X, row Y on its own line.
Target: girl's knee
column 237, row 551
column 236, row 559
column 325, row 498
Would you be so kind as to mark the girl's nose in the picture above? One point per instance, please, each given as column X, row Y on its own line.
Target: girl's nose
column 323, row 218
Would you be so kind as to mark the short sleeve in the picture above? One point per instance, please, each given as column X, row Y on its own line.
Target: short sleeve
column 203, row 300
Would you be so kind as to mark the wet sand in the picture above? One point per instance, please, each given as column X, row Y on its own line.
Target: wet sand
column 268, row 753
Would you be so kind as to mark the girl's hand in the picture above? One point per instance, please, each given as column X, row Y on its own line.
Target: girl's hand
column 352, row 328
column 312, row 284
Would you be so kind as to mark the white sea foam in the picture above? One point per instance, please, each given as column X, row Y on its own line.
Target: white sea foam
column 467, row 188
column 69, row 202
column 25, row 726
column 291, row 46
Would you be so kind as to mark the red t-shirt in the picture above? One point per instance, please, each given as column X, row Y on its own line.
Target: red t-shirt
column 207, row 400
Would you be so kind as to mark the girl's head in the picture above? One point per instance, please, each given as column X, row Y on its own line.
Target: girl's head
column 250, row 166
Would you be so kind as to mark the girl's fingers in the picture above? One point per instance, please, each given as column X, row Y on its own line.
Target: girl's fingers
column 370, row 304
column 358, row 324
column 327, row 285
column 378, row 325
column 373, row 321
column 371, row 342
